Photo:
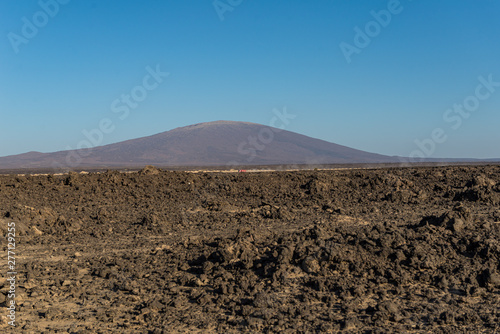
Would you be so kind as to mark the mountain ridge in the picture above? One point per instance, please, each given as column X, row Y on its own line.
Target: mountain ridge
column 217, row 143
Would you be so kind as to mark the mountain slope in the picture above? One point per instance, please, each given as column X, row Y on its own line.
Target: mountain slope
column 220, row 143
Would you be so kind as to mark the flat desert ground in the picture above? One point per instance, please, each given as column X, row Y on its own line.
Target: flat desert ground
column 403, row 250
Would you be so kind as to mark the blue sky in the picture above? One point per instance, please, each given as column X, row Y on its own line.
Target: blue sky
column 240, row 60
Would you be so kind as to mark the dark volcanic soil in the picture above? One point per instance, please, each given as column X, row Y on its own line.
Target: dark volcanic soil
column 355, row 251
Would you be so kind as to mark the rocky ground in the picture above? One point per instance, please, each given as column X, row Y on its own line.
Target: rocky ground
column 355, row 251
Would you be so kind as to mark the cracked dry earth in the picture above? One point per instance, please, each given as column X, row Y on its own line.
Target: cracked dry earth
column 413, row 250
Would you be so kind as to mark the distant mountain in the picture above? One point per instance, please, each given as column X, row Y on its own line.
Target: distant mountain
column 220, row 143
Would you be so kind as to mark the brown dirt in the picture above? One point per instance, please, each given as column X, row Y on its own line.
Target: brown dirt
column 357, row 251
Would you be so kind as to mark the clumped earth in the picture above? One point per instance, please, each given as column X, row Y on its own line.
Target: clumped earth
column 357, row 251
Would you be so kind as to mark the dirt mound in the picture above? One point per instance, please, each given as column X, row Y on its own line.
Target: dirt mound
column 373, row 251
column 330, row 277
column 149, row 170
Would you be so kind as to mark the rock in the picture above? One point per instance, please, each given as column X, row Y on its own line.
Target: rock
column 351, row 323
column 262, row 300
column 457, row 224
column 36, row 231
column 443, row 283
column 388, row 309
column 83, row 272
column 491, row 278
column 311, row 265
column 149, row 170
column 482, row 181
column 29, row 285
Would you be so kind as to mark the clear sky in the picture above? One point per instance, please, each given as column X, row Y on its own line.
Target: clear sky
column 372, row 75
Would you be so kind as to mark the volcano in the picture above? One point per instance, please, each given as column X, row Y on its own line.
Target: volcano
column 219, row 143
